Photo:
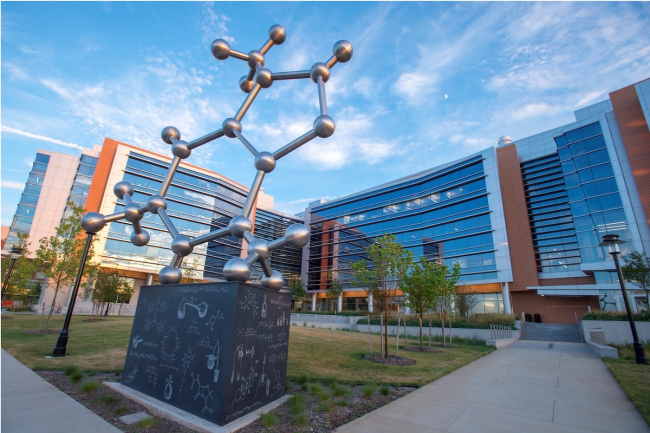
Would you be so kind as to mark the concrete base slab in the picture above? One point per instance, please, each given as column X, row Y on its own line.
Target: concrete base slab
column 167, row 411
column 501, row 343
column 134, row 417
column 603, row 351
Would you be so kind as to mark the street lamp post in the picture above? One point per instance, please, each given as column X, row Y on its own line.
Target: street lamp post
column 612, row 241
column 16, row 252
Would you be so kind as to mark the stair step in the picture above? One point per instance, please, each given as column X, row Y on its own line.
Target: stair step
column 551, row 332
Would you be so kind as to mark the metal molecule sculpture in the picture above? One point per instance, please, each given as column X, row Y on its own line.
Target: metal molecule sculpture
column 240, row 226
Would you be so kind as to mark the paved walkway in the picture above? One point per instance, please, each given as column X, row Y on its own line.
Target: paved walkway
column 30, row 405
column 525, row 387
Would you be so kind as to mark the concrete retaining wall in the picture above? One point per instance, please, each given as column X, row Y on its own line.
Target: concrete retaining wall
column 603, row 351
column 616, row 332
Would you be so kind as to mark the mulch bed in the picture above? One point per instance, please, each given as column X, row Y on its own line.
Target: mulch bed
column 112, row 410
column 421, row 349
column 394, row 360
column 94, row 320
column 325, row 417
column 42, row 331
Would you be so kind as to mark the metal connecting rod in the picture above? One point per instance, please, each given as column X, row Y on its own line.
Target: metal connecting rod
column 245, row 142
column 266, row 47
column 249, row 237
column 176, row 261
column 216, row 234
column 248, row 101
column 252, row 194
column 322, row 99
column 294, row 145
column 239, row 55
column 331, row 62
column 266, row 268
column 137, row 227
column 278, row 243
column 162, row 213
column 114, row 217
column 289, row 75
column 205, row 139
column 252, row 258
column 170, row 175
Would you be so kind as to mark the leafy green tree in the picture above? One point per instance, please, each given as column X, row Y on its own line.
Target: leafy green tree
column 20, row 283
column 191, row 270
column 445, row 293
column 418, row 286
column 110, row 287
column 381, row 276
column 467, row 299
column 58, row 256
column 637, row 271
column 334, row 290
column 298, row 290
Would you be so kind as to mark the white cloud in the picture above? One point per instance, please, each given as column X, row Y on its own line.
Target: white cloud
column 39, row 137
column 213, row 24
column 415, row 86
column 537, row 110
column 15, row 71
column 13, row 185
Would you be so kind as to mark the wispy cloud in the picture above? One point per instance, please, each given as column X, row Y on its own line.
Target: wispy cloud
column 12, row 184
column 213, row 24
column 40, row 137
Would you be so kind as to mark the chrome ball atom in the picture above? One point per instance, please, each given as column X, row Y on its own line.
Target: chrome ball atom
column 181, row 149
column 237, row 269
column 264, row 161
column 132, row 213
column 93, row 222
column 229, row 125
column 239, row 225
column 319, row 70
column 181, row 246
column 220, row 49
column 140, row 239
column 342, row 51
column 245, row 85
column 255, row 57
column 156, row 202
column 169, row 275
column 259, row 246
column 263, row 78
column 275, row 281
column 297, row 235
column 169, row 132
column 277, row 34
column 122, row 188
column 324, row 126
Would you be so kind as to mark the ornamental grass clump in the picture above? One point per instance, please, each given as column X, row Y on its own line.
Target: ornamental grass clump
column 368, row 390
column 268, row 419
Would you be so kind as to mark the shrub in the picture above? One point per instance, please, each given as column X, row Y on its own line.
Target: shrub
column 268, row 419
column 368, row 390
column 108, row 398
column 482, row 321
column 70, row 369
column 325, row 407
column 303, row 379
column 339, row 390
column 342, row 402
column 297, row 404
column 617, row 317
column 315, row 389
column 323, row 396
column 148, row 423
column 300, row 419
column 89, row 386
column 120, row 410
column 384, row 390
column 76, row 376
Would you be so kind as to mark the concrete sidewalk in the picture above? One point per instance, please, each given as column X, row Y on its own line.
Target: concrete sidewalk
column 30, row 405
column 526, row 386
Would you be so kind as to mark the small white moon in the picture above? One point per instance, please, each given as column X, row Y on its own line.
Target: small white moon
column 446, row 96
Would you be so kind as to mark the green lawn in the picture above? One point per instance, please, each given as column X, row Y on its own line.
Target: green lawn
column 635, row 380
column 318, row 353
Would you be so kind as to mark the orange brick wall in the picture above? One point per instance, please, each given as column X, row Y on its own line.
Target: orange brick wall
column 553, row 309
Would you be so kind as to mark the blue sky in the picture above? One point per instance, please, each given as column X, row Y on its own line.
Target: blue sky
column 428, row 82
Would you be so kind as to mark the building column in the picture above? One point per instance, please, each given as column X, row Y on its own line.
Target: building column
column 507, row 308
column 149, row 279
column 370, row 302
column 313, row 302
column 339, row 304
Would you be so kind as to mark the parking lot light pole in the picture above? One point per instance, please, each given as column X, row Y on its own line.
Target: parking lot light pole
column 612, row 241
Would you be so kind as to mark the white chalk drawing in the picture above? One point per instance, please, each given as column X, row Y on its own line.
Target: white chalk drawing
column 205, row 341
column 193, row 329
column 249, row 303
column 153, row 376
column 277, row 383
column 240, row 332
column 280, row 304
column 136, row 340
column 156, row 307
column 201, row 308
column 170, row 344
column 282, row 336
column 143, row 355
column 283, row 321
column 188, row 357
column 212, row 357
column 169, row 367
column 250, row 352
column 277, row 357
column 203, row 391
column 146, row 343
column 246, row 384
column 264, row 308
column 159, row 324
column 213, row 320
column 131, row 376
column 238, row 355
column 168, row 388
column 265, row 381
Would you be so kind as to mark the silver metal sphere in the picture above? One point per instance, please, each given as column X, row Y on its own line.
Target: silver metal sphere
column 319, row 70
column 259, row 246
column 297, row 235
column 255, row 57
column 263, row 78
column 169, row 132
column 343, row 51
column 277, row 34
column 169, row 275
column 239, row 225
column 122, row 188
column 237, row 269
column 228, row 125
column 264, row 161
column 156, row 202
column 131, row 213
column 93, row 222
column 324, row 126
column 181, row 246
column 245, row 85
column 141, row 239
column 275, row 281
column 220, row 49
column 181, row 150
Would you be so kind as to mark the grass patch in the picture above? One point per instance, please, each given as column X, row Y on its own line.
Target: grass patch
column 120, row 410
column 70, row 369
column 323, row 396
column 384, row 390
column 297, row 404
column 268, row 419
column 368, row 390
column 315, row 389
column 325, row 407
column 89, row 386
column 108, row 398
column 314, row 354
column 300, row 419
column 330, row 381
column 339, row 390
column 148, row 423
column 342, row 402
column 76, row 376
column 635, row 381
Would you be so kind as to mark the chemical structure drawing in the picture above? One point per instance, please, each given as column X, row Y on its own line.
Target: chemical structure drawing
column 201, row 308
column 265, row 381
column 246, row 385
column 170, row 344
column 205, row 341
column 159, row 324
column 277, row 383
column 168, row 388
column 157, row 306
column 203, row 391
column 211, row 360
column 136, row 340
column 277, row 357
column 238, row 355
column 283, row 321
column 131, row 377
column 282, row 336
column 188, row 357
column 213, row 319
column 193, row 329
column 153, row 376
column 258, row 77
column 249, row 303
column 264, row 308
column 250, row 352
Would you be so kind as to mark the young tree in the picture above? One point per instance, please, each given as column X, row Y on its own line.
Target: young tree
column 419, row 294
column 637, row 271
column 467, row 299
column 19, row 284
column 58, row 257
column 381, row 276
column 334, row 290
column 110, row 287
column 445, row 294
column 190, row 270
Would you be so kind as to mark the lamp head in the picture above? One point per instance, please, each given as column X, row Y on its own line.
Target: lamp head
column 611, row 241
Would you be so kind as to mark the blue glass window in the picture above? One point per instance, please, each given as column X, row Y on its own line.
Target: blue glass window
column 572, row 180
column 575, row 194
column 582, row 162
column 573, row 136
column 599, row 157
column 595, row 143
column 591, row 130
column 44, row 159
column 610, row 201
column 583, row 223
column 579, row 208
column 589, row 189
column 565, row 154
column 560, row 141
column 568, row 167
column 606, row 186
column 585, row 175
column 578, row 148
column 594, row 204
column 602, row 171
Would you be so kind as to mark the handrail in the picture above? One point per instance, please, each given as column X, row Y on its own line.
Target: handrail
column 500, row 332
column 582, row 337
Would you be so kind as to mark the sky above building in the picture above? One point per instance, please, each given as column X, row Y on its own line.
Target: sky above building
column 428, row 82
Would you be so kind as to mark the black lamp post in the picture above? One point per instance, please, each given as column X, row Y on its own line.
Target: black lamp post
column 16, row 252
column 612, row 242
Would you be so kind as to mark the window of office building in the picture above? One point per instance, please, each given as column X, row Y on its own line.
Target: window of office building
column 82, row 181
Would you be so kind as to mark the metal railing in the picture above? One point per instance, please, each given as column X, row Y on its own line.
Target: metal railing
column 582, row 337
column 500, row 332
column 597, row 335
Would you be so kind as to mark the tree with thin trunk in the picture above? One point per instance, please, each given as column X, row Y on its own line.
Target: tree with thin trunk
column 445, row 293
column 381, row 277
column 637, row 271
column 334, row 290
column 58, row 257
column 20, row 282
column 419, row 291
column 190, row 270
column 109, row 287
